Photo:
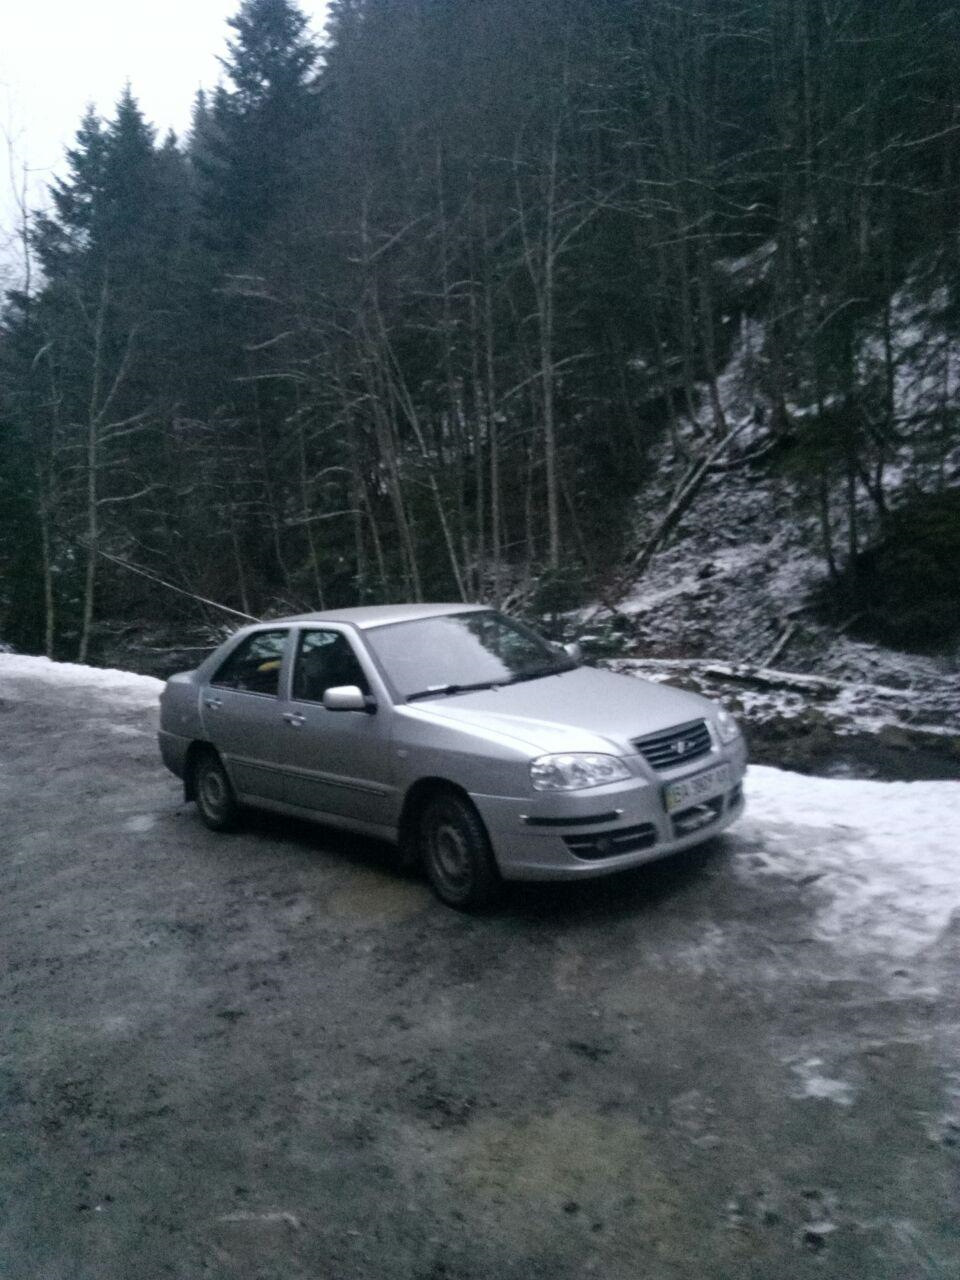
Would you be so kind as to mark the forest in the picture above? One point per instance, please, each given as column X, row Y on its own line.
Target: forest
column 427, row 305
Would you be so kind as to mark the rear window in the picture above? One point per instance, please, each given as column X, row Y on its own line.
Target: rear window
column 254, row 666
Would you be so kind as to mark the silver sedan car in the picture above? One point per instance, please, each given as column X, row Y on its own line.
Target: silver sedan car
column 484, row 752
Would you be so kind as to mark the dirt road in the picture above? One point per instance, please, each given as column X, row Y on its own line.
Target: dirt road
column 266, row 1056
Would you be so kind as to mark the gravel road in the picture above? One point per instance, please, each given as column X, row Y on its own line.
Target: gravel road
column 268, row 1057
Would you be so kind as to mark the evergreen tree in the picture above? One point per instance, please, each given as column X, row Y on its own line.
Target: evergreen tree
column 250, row 143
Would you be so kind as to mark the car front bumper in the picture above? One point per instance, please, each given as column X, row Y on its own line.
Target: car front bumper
column 580, row 834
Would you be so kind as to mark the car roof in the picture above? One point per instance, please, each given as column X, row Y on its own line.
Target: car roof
column 379, row 615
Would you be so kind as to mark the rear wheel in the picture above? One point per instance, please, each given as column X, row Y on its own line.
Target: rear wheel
column 216, row 802
column 456, row 853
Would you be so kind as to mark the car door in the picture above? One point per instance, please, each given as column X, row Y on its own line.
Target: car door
column 242, row 713
column 336, row 762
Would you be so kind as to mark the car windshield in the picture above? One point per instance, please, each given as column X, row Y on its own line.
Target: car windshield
column 460, row 651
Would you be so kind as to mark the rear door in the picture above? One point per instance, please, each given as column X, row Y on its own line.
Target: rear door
column 337, row 762
column 243, row 714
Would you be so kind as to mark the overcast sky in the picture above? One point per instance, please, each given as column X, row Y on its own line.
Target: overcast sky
column 58, row 55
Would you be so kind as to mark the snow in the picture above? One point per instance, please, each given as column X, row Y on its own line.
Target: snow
column 812, row 1083
column 737, row 384
column 880, row 860
column 921, row 354
column 127, row 688
column 741, row 560
column 751, row 267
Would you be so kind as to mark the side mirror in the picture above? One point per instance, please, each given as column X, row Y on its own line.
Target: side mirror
column 573, row 651
column 345, row 697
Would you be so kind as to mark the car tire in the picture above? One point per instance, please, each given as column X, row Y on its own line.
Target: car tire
column 216, row 802
column 456, row 854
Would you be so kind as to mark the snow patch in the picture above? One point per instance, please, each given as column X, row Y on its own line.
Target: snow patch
column 126, row 687
column 880, row 860
column 140, row 824
column 812, row 1083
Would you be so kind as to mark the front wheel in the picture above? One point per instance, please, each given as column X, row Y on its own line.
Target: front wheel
column 456, row 853
column 216, row 803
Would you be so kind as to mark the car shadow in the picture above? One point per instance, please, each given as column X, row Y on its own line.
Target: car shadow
column 623, row 893
column 312, row 838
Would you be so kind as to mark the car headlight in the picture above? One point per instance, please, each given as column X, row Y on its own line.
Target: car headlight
column 572, row 772
column 727, row 727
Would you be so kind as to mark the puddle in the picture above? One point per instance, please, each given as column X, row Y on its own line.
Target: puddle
column 373, row 898
column 588, row 1173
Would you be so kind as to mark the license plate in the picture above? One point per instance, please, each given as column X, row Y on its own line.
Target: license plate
column 702, row 786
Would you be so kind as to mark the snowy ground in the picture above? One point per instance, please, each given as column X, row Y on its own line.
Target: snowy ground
column 123, row 688
column 884, row 856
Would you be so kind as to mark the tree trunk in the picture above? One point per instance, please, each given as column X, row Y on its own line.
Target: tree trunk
column 49, row 600
column 92, row 462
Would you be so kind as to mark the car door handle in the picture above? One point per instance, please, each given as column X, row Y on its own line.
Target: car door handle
column 294, row 719
column 213, row 703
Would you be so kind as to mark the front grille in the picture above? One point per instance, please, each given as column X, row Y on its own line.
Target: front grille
column 675, row 746
column 609, row 844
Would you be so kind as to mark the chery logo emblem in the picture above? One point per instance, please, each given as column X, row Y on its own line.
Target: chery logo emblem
column 679, row 747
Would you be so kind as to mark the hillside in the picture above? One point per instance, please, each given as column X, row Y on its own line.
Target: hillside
column 737, row 587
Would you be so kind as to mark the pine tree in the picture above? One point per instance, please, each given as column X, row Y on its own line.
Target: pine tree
column 249, row 145
column 101, row 329
column 77, row 199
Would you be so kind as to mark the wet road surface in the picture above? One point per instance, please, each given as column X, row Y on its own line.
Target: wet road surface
column 267, row 1056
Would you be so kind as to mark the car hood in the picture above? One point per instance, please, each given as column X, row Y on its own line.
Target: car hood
column 579, row 710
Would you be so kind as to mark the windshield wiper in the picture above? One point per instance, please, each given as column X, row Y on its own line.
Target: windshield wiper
column 442, row 690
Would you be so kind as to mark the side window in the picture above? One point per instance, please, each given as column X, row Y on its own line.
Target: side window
column 325, row 660
column 255, row 666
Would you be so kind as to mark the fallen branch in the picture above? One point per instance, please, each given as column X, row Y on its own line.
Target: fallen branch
column 766, row 678
column 781, row 644
column 152, row 577
column 177, row 648
column 689, row 487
